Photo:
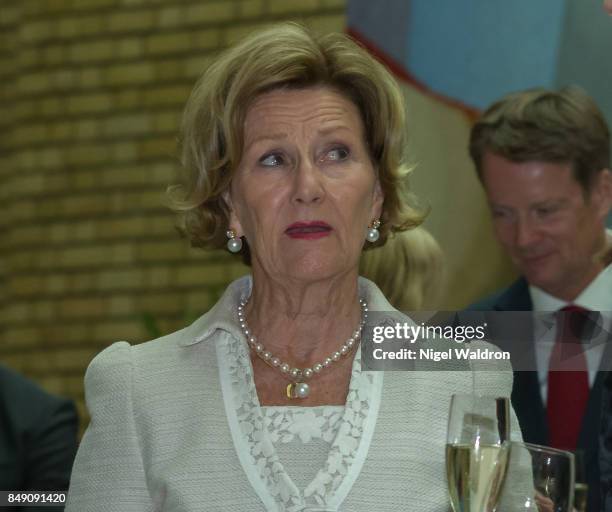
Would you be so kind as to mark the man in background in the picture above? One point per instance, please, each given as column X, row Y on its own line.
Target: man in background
column 543, row 158
column 38, row 439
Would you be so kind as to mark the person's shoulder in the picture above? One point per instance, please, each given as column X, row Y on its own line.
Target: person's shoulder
column 512, row 298
column 110, row 374
column 25, row 401
column 122, row 353
column 15, row 384
column 162, row 347
column 121, row 362
column 487, row 303
column 21, row 389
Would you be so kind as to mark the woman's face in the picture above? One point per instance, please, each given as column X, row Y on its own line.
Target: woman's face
column 305, row 190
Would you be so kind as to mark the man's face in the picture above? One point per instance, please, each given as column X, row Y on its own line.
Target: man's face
column 545, row 221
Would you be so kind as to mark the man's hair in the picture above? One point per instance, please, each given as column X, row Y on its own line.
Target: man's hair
column 547, row 126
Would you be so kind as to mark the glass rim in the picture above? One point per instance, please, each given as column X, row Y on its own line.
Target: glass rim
column 542, row 448
column 478, row 395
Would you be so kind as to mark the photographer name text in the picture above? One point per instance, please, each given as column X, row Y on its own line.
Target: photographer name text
column 409, row 354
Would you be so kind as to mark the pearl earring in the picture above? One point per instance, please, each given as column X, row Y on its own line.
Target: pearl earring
column 234, row 244
column 373, row 234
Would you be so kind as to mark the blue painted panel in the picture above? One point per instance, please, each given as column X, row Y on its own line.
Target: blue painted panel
column 383, row 22
column 586, row 54
column 477, row 50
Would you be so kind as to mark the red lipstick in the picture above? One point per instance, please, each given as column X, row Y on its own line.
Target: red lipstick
column 309, row 230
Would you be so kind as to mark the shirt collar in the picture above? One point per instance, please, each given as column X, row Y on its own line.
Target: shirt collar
column 223, row 315
column 596, row 296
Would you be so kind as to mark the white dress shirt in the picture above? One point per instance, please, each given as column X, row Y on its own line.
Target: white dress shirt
column 597, row 296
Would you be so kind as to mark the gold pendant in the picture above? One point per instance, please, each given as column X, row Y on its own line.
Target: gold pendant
column 298, row 390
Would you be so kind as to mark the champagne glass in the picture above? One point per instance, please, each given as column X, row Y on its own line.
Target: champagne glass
column 538, row 478
column 476, row 451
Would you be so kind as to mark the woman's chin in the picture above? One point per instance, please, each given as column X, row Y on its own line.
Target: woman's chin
column 315, row 269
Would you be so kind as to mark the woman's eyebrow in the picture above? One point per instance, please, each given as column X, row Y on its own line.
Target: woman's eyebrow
column 266, row 136
column 329, row 129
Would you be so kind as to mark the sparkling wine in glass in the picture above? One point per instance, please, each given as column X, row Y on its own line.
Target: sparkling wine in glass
column 476, row 451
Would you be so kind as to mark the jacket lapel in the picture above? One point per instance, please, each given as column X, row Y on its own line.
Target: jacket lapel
column 526, row 394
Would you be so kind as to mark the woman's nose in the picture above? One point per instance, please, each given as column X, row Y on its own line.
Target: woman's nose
column 308, row 186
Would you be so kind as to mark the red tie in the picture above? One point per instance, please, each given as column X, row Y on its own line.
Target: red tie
column 568, row 380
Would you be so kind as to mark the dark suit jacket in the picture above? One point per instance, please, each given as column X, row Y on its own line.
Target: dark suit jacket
column 527, row 398
column 605, row 445
column 38, row 439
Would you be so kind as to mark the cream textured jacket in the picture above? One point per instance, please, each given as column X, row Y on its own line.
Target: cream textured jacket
column 176, row 427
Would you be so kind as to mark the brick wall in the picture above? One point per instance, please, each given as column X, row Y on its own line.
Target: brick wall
column 91, row 93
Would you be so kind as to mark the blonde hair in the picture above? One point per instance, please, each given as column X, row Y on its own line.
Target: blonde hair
column 285, row 56
column 409, row 269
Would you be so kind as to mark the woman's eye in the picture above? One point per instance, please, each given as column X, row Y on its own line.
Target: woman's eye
column 337, row 154
column 271, row 160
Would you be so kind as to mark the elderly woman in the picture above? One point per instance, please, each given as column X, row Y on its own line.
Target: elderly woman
column 293, row 150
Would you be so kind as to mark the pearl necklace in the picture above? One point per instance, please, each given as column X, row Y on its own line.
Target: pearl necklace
column 298, row 388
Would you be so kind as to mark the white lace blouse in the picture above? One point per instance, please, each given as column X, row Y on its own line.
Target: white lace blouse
column 176, row 426
column 322, row 448
column 302, row 438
